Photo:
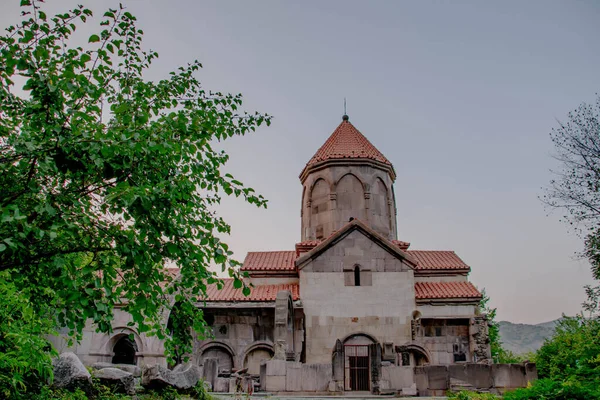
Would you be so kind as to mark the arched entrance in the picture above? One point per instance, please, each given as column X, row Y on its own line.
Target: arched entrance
column 255, row 357
column 124, row 351
column 357, row 363
column 222, row 354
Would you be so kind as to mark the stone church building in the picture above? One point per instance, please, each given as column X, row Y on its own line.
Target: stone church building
column 350, row 307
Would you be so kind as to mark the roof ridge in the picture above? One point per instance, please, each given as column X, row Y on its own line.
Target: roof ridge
column 270, row 251
column 347, row 141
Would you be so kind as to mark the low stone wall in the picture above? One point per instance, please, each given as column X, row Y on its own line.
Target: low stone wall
column 289, row 376
column 435, row 380
column 397, row 379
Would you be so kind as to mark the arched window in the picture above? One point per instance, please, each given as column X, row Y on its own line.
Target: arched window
column 124, row 351
column 357, row 276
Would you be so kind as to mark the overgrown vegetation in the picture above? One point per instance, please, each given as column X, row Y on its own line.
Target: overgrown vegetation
column 105, row 178
column 569, row 362
column 467, row 395
column 101, row 392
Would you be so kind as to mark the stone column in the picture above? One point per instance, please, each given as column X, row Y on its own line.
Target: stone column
column 479, row 340
column 284, row 326
column 337, row 364
column 375, row 352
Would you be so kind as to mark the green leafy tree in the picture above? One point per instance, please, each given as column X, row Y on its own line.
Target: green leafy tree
column 573, row 351
column 568, row 363
column 106, row 177
column 25, row 363
column 576, row 186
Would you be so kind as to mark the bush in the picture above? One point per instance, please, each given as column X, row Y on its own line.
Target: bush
column 25, row 355
column 547, row 389
column 200, row 393
column 467, row 395
column 572, row 351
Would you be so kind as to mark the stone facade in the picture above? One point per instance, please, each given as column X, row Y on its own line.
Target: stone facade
column 351, row 309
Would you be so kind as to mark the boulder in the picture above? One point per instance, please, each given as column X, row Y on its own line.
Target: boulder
column 132, row 369
column 158, row 376
column 118, row 380
column 71, row 374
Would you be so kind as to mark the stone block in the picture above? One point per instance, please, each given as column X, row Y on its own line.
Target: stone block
column 478, row 375
column 118, row 380
column 221, row 385
column 210, row 370
column 293, row 377
column 437, row 376
column 531, row 373
column 263, row 378
column 409, row 391
column 397, row 376
column 275, row 383
column 316, row 377
column 509, row 375
column 70, row 373
column 276, row 367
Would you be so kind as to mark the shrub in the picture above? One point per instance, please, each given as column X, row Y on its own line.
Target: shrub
column 547, row 389
column 467, row 395
column 200, row 393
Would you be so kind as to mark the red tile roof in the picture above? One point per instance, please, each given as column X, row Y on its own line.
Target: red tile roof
column 257, row 293
column 437, row 259
column 270, row 261
column 446, row 290
column 347, row 142
column 306, row 246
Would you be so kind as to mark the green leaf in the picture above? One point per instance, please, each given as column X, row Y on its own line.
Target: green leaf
column 94, row 39
column 237, row 283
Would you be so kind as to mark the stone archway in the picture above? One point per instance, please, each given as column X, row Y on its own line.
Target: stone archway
column 223, row 355
column 357, row 362
column 255, row 356
column 124, row 351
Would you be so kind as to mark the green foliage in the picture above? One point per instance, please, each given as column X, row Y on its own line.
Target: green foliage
column 467, row 395
column 573, row 352
column 200, row 393
column 105, row 178
column 60, row 394
column 548, row 389
column 25, row 355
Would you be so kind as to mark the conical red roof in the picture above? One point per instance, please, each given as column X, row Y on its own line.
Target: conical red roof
column 347, row 142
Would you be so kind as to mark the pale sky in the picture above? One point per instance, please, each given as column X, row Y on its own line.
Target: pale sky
column 459, row 96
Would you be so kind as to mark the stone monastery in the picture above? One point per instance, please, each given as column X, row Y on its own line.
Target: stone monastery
column 350, row 308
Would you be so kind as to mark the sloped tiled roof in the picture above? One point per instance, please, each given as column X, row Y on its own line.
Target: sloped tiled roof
column 257, row 293
column 347, row 142
column 270, row 261
column 446, row 290
column 437, row 260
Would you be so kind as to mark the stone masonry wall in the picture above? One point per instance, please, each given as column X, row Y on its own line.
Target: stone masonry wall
column 333, row 310
column 329, row 207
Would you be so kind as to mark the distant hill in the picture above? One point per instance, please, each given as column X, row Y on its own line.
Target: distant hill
column 523, row 338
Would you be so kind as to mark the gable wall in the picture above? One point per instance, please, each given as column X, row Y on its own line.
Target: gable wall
column 335, row 311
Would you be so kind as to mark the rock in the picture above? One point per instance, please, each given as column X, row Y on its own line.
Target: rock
column 158, row 377
column 117, row 379
column 70, row 373
column 132, row 369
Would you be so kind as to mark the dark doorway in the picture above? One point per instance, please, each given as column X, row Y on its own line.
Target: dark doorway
column 124, row 350
column 357, row 367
